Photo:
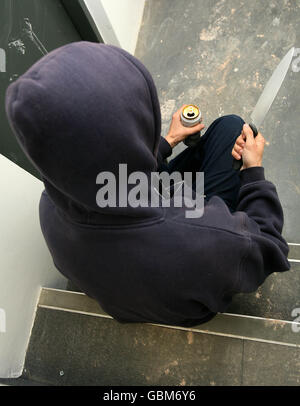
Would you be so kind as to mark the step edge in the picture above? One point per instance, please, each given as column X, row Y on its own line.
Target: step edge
column 69, row 293
column 188, row 329
column 268, row 327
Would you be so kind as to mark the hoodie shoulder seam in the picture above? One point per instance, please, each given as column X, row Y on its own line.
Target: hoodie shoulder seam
column 145, row 223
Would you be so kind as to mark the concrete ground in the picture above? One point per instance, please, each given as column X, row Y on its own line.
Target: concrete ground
column 219, row 55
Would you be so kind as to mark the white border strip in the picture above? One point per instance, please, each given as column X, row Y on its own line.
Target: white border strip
column 105, row 316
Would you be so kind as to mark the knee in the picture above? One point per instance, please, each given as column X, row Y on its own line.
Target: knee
column 228, row 127
column 232, row 119
column 231, row 124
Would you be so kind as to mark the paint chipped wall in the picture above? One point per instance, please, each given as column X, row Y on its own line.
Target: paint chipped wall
column 29, row 29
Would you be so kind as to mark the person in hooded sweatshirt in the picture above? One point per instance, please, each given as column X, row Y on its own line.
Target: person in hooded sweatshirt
column 84, row 109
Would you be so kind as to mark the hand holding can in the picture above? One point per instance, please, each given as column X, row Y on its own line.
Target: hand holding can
column 179, row 131
column 191, row 116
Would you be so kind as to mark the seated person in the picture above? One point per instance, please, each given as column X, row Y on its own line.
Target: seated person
column 86, row 108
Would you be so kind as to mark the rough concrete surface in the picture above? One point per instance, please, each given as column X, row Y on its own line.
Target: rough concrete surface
column 219, row 55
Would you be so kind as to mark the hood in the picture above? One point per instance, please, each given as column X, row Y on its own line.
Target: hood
column 83, row 109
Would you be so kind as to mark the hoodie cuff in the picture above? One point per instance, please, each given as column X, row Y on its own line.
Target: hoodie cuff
column 165, row 148
column 253, row 174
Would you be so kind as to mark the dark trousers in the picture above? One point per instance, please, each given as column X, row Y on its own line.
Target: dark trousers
column 212, row 155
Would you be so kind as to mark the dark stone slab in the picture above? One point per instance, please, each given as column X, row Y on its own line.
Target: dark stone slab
column 75, row 349
column 19, row 382
column 270, row 365
column 294, row 252
column 275, row 299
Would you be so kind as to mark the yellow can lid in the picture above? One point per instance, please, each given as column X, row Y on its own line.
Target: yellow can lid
column 190, row 112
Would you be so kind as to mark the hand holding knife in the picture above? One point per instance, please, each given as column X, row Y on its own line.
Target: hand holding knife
column 267, row 97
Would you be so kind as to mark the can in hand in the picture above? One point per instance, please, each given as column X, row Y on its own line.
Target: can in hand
column 190, row 116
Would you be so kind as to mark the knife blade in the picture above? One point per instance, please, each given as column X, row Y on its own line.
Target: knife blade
column 267, row 97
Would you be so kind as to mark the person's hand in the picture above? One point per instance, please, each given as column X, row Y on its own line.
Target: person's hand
column 249, row 148
column 177, row 131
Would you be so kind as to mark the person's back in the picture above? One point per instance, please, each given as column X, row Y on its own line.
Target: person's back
column 87, row 108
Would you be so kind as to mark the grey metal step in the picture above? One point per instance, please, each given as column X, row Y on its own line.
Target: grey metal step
column 74, row 342
column 224, row 324
column 294, row 254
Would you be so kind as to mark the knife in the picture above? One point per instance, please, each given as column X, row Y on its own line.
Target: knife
column 267, row 97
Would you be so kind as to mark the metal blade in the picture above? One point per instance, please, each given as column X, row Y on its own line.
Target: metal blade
column 271, row 89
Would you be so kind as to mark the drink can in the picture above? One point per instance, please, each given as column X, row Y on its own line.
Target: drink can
column 190, row 116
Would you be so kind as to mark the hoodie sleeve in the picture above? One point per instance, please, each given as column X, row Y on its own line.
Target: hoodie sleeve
column 164, row 150
column 267, row 249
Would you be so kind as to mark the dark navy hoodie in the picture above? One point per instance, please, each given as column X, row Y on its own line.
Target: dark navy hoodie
column 84, row 109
